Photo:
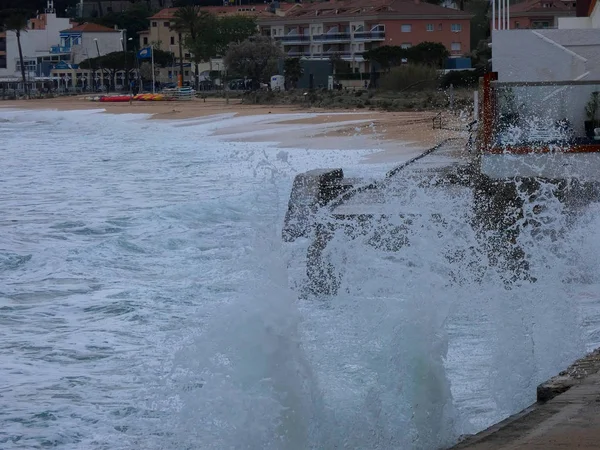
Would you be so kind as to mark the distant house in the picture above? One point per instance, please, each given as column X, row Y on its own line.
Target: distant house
column 163, row 37
column 350, row 27
column 99, row 8
column 88, row 39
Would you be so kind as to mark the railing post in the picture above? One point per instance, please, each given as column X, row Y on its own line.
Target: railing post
column 488, row 109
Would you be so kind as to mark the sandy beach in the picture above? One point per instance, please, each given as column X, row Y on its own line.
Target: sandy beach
column 393, row 133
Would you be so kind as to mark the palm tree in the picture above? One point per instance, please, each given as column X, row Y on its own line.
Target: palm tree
column 17, row 21
column 199, row 30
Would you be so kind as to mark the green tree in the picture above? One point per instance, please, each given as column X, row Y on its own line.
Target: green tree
column 199, row 31
column 480, row 22
column 386, row 56
column 115, row 61
column 429, row 53
column 234, row 29
column 134, row 20
column 292, row 70
column 256, row 58
column 16, row 20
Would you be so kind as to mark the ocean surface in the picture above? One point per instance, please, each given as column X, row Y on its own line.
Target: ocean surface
column 148, row 302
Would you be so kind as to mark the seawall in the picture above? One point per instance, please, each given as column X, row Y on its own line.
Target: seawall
column 566, row 414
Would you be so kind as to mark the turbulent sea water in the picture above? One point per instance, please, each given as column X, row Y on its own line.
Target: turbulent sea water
column 147, row 301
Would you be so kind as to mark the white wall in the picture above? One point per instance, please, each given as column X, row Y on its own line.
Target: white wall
column 574, row 22
column 12, row 53
column 581, row 22
column 107, row 43
column 32, row 42
column 522, row 55
column 44, row 39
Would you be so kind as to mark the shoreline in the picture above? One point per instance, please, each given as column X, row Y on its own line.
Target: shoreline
column 565, row 415
column 393, row 136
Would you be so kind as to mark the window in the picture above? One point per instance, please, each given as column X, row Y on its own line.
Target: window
column 145, row 40
column 456, row 27
column 429, row 27
column 406, row 28
column 517, row 25
column 186, row 55
column 440, row 27
column 406, row 45
column 455, row 47
column 154, row 24
column 166, row 24
column 2, row 61
column 540, row 24
column 172, row 40
column 186, row 73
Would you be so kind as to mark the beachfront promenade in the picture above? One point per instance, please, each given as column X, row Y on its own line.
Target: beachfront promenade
column 568, row 420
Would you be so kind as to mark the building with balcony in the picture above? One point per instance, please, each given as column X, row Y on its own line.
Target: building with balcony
column 36, row 43
column 89, row 40
column 163, row 37
column 347, row 28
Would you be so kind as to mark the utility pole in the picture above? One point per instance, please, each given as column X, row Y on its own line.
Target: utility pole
column 180, row 77
column 99, row 64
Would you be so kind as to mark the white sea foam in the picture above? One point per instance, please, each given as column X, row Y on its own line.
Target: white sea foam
column 147, row 301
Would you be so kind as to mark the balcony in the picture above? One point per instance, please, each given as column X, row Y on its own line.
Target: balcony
column 58, row 49
column 298, row 54
column 369, row 36
column 292, row 39
column 329, row 54
column 332, row 37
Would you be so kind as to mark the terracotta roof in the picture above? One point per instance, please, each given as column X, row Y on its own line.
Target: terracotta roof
column 538, row 6
column 379, row 8
column 91, row 28
column 245, row 10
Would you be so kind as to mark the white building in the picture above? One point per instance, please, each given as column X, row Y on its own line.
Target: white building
column 570, row 52
column 547, row 82
column 51, row 40
column 90, row 40
column 36, row 42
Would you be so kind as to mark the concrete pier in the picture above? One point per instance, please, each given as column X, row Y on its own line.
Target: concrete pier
column 565, row 416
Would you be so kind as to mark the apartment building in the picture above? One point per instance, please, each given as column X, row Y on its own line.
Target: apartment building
column 90, row 40
column 162, row 36
column 347, row 28
column 3, row 60
column 36, row 43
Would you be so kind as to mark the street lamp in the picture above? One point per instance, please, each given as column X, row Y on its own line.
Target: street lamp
column 101, row 69
column 126, row 71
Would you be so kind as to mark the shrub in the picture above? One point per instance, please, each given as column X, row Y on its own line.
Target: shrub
column 460, row 78
column 416, row 77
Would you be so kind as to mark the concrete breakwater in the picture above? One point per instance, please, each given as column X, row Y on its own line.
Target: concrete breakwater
column 565, row 415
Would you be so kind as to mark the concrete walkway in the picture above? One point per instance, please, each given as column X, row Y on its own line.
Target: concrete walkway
column 569, row 420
